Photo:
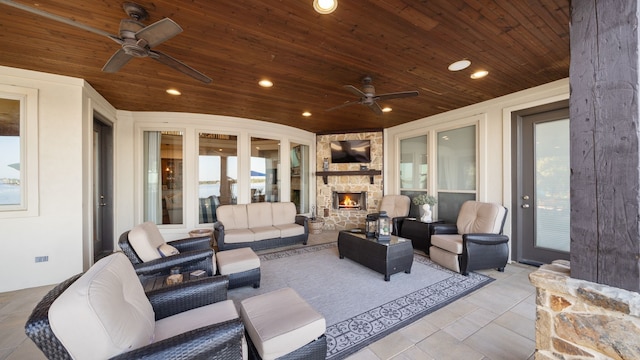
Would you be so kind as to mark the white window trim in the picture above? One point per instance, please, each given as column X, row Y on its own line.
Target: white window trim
column 29, row 179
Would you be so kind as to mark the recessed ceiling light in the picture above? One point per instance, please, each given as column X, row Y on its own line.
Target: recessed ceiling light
column 387, row 109
column 459, row 65
column 479, row 74
column 306, row 113
column 173, row 92
column 325, row 6
column 265, row 83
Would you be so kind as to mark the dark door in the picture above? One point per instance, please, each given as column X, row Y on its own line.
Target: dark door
column 103, row 241
column 541, row 205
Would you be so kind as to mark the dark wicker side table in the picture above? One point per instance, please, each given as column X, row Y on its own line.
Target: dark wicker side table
column 387, row 257
column 418, row 232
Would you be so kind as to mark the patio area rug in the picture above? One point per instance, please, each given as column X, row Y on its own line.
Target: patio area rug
column 358, row 305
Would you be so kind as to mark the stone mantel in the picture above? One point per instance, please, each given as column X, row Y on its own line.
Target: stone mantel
column 325, row 174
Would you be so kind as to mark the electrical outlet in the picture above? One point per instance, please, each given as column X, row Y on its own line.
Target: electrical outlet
column 42, row 259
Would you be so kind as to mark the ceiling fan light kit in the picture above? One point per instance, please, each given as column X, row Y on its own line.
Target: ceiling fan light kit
column 325, row 7
column 369, row 98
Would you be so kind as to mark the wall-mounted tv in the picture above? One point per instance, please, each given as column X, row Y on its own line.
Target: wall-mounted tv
column 351, row 151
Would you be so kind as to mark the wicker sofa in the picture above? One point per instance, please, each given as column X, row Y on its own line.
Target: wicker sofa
column 259, row 226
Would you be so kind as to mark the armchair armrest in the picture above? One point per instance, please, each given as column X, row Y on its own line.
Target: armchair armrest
column 218, row 233
column 191, row 243
column 397, row 224
column 217, row 341
column 201, row 259
column 188, row 295
column 485, row 239
column 444, row 229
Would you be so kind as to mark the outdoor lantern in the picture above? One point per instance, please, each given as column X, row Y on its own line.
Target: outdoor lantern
column 383, row 230
column 371, row 225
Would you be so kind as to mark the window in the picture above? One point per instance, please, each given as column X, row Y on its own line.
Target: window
column 265, row 162
column 163, row 185
column 218, row 174
column 414, row 168
column 19, row 151
column 456, row 170
column 300, row 173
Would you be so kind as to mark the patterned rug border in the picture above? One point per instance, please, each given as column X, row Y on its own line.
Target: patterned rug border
column 349, row 336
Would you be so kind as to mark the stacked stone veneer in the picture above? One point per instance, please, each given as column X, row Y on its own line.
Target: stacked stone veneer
column 347, row 219
column 578, row 319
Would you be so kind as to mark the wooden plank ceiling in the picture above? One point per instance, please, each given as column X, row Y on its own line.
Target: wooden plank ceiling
column 403, row 45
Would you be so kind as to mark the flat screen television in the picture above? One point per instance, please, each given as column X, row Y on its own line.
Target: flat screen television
column 351, row 151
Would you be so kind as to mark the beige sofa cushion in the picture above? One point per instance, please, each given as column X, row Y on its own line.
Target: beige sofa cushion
column 444, row 258
column 103, row 313
column 287, row 230
column 235, row 236
column 449, row 242
column 259, row 215
column 265, row 232
column 233, row 217
column 145, row 240
column 480, row 217
column 280, row 322
column 283, row 213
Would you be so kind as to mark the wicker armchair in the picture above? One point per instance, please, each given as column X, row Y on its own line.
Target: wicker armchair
column 178, row 321
column 195, row 253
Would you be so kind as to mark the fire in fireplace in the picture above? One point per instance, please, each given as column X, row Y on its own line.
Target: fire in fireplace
column 350, row 200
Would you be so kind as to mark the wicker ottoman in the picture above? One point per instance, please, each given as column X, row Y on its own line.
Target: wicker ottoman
column 282, row 325
column 242, row 266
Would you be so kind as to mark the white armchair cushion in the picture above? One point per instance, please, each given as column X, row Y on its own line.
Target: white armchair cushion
column 103, row 313
column 395, row 205
column 145, row 240
column 480, row 217
column 194, row 319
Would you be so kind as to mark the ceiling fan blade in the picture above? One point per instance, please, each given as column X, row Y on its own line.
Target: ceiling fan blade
column 355, row 90
column 397, row 95
column 375, row 108
column 61, row 19
column 159, row 32
column 343, row 105
column 180, row 66
column 117, row 60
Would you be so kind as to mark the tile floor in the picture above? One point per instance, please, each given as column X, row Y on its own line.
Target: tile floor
column 495, row 322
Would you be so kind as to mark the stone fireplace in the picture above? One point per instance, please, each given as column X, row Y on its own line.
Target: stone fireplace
column 348, row 178
column 350, row 200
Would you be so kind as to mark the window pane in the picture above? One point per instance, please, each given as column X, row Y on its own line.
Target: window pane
column 163, row 200
column 552, row 185
column 300, row 177
column 217, row 180
column 265, row 162
column 449, row 205
column 413, row 163
column 10, row 175
column 457, row 159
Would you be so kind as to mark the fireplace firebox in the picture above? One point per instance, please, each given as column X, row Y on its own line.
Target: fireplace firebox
column 350, row 200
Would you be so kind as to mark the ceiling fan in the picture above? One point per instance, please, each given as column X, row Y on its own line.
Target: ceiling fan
column 136, row 39
column 369, row 98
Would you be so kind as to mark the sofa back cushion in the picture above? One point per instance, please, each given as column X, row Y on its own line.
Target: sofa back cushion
column 145, row 239
column 480, row 217
column 283, row 213
column 233, row 216
column 260, row 215
column 104, row 313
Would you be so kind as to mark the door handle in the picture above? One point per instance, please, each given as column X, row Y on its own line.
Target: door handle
column 525, row 206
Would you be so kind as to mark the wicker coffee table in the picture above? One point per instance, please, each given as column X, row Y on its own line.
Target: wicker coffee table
column 386, row 257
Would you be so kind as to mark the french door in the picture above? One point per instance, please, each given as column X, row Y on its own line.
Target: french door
column 541, row 206
column 102, row 190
